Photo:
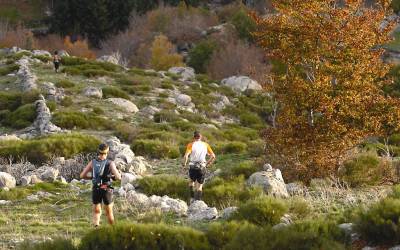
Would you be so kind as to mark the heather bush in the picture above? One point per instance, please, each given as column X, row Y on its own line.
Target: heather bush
column 171, row 185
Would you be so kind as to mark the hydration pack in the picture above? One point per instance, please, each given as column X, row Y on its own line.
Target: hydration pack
column 100, row 174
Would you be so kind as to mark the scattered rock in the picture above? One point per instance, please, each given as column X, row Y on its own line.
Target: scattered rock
column 32, row 197
column 35, row 179
column 120, row 153
column 186, row 73
column 128, row 178
column 63, row 53
column 241, row 83
column 270, row 181
column 9, row 138
column 128, row 187
column 228, row 212
column 7, row 180
column 53, row 93
column 4, row 202
column 199, row 210
column 108, row 58
column 93, row 92
column 139, row 200
column 127, row 105
column 41, row 53
column 48, row 174
column 149, row 112
column 183, row 99
column 167, row 204
column 25, row 180
column 369, row 248
column 395, row 248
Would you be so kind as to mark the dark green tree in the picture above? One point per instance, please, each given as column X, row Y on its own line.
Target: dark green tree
column 94, row 19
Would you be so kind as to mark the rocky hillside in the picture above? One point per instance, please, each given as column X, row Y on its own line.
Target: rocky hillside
column 51, row 123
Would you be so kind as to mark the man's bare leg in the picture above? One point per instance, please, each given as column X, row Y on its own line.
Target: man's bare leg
column 96, row 214
column 109, row 213
column 198, row 191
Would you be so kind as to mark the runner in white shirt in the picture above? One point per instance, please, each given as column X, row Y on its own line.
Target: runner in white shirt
column 196, row 153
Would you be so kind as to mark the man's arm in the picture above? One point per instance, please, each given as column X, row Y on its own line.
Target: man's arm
column 211, row 160
column 185, row 159
column 85, row 171
column 114, row 171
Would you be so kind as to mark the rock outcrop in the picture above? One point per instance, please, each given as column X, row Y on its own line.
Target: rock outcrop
column 271, row 181
column 93, row 92
column 199, row 210
column 241, row 83
column 185, row 73
column 126, row 105
column 26, row 77
column 42, row 123
column 7, row 180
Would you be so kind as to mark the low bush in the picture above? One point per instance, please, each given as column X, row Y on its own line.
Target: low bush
column 79, row 66
column 71, row 120
column 224, row 193
column 145, row 236
column 365, row 169
column 245, row 168
column 155, row 149
column 220, row 234
column 43, row 58
column 261, row 211
column 171, row 185
column 67, row 101
column 57, row 244
column 10, row 100
column 256, row 148
column 109, row 92
column 65, row 84
column 42, row 149
column 234, row 147
column 300, row 236
column 166, row 116
column 251, row 120
column 200, row 56
column 8, row 69
column 244, row 24
column 381, row 223
column 20, row 118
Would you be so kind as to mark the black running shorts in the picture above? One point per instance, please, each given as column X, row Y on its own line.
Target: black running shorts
column 197, row 174
column 104, row 196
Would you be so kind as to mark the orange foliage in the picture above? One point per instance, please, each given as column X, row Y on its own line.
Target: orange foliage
column 329, row 89
column 79, row 48
column 18, row 36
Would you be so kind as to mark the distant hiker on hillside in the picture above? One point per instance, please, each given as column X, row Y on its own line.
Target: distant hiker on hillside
column 196, row 153
column 103, row 171
column 56, row 61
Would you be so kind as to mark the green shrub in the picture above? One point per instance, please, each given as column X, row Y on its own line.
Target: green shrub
column 362, row 170
column 98, row 111
column 223, row 193
column 67, row 101
column 109, row 92
column 10, row 100
column 300, row 236
column 256, row 148
column 8, row 69
column 71, row 120
column 251, row 120
column 200, row 56
column 65, row 84
column 167, row 85
column 155, row 149
column 220, row 234
column 52, row 105
column 299, row 208
column 234, row 147
column 395, row 4
column 144, row 237
column 245, row 168
column 21, row 117
column 30, row 96
column 261, row 211
column 77, row 66
column 126, row 131
column 42, row 149
column 142, row 72
column 171, row 185
column 166, row 116
column 183, row 126
column 394, row 140
column 244, row 24
column 381, row 223
column 58, row 244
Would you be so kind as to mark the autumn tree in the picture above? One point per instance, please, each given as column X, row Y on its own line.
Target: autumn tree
column 329, row 85
column 162, row 54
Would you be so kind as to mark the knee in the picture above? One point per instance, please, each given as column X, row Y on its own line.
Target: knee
column 97, row 210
